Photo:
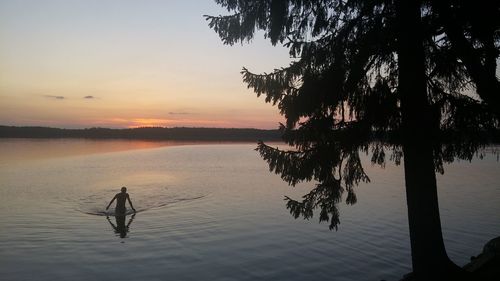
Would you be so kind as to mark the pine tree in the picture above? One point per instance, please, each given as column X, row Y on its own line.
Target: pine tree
column 390, row 78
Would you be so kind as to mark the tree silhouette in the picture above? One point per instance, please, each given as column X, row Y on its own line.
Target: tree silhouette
column 413, row 80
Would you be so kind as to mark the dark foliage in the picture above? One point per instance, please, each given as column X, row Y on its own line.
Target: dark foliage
column 340, row 94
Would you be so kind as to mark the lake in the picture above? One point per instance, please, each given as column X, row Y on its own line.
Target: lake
column 213, row 212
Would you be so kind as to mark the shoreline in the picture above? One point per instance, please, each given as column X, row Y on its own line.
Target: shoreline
column 146, row 133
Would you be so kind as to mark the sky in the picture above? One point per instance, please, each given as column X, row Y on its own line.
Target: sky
column 127, row 63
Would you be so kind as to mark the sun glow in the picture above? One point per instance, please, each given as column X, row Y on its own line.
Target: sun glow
column 184, row 122
column 149, row 122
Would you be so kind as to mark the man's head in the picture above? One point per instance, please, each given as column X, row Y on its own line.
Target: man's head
column 124, row 189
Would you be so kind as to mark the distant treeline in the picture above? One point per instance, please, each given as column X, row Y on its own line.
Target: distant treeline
column 149, row 133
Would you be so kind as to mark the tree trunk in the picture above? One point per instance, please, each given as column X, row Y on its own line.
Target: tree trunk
column 429, row 258
column 427, row 247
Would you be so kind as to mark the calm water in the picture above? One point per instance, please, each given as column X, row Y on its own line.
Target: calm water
column 212, row 212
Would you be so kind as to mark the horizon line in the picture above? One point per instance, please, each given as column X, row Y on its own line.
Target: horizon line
column 132, row 128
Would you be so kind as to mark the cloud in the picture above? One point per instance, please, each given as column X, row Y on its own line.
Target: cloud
column 54, row 97
column 89, row 97
column 179, row 113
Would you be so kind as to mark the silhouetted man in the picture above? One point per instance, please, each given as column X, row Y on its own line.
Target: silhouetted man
column 120, row 202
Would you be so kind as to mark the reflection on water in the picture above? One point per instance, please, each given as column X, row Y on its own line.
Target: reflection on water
column 214, row 212
column 120, row 228
column 18, row 150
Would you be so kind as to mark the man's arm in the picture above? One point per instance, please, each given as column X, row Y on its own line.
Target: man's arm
column 130, row 202
column 111, row 202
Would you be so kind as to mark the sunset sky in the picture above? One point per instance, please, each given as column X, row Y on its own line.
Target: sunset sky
column 127, row 63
